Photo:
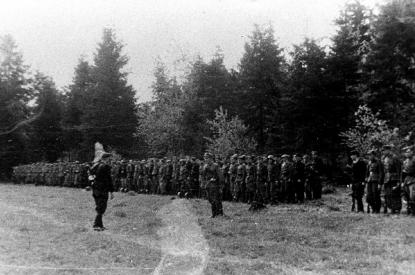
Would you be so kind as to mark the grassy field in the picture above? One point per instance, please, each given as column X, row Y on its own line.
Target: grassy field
column 47, row 230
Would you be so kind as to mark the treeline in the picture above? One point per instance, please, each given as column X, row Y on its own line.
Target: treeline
column 286, row 102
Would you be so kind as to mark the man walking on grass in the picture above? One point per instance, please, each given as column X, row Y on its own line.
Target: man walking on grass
column 101, row 185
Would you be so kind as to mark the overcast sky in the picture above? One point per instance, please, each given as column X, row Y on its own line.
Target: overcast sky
column 53, row 34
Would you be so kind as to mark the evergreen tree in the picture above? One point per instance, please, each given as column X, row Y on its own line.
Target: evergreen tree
column 75, row 104
column 109, row 114
column 262, row 76
column 390, row 64
column 307, row 113
column 47, row 135
column 208, row 86
column 160, row 122
column 15, row 93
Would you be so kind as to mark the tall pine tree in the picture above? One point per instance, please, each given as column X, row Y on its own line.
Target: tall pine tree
column 262, row 75
column 110, row 112
column 390, row 64
column 14, row 96
column 75, row 106
column 47, row 135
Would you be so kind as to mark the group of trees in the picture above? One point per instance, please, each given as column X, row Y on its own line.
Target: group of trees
column 274, row 101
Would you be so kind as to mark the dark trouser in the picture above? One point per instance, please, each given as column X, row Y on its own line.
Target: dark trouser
column 238, row 191
column 373, row 196
column 291, row 191
column 274, row 192
column 283, row 189
column 358, row 190
column 308, row 190
column 299, row 190
column 250, row 193
column 392, row 197
column 317, row 188
column 409, row 194
column 101, row 200
column 154, row 184
column 215, row 200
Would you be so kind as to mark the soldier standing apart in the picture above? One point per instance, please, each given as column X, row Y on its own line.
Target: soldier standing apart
column 212, row 177
column 101, row 187
column 374, row 182
column 358, row 181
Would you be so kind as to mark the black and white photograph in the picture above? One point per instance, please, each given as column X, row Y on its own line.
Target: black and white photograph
column 207, row 137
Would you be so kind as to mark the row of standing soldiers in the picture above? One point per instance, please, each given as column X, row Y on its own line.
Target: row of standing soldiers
column 386, row 179
column 283, row 179
column 268, row 179
column 68, row 174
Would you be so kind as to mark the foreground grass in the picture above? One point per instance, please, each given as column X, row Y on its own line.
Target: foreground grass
column 319, row 237
column 51, row 227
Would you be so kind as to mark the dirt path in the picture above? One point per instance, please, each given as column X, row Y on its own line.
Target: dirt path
column 184, row 248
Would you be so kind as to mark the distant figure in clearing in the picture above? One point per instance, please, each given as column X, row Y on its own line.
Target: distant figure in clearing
column 101, row 184
column 212, row 177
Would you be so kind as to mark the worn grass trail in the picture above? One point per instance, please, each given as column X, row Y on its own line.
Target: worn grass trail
column 184, row 248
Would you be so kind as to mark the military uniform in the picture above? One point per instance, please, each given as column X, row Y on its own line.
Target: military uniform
column 250, row 182
column 391, row 184
column 298, row 179
column 358, row 185
column 374, row 181
column 101, row 186
column 211, row 176
column 261, row 184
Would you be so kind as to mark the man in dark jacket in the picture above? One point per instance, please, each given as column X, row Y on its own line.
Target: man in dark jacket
column 101, row 187
column 358, row 181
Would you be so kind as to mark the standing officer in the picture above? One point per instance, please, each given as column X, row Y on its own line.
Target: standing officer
column 298, row 178
column 358, row 181
column 374, row 182
column 101, row 186
column 212, row 177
